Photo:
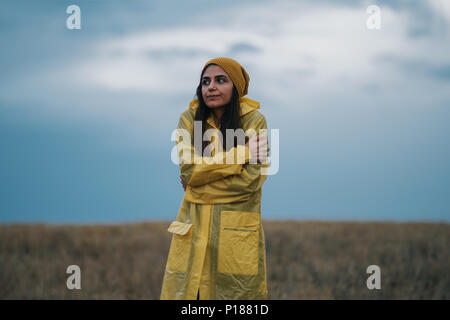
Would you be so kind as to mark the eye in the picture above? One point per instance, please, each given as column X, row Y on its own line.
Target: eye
column 219, row 80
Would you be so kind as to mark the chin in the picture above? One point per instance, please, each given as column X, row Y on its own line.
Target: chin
column 215, row 104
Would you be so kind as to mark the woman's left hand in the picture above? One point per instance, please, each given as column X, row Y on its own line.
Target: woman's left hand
column 183, row 183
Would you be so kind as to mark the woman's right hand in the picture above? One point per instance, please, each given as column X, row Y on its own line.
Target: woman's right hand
column 259, row 147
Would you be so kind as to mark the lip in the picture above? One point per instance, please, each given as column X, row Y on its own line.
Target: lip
column 211, row 97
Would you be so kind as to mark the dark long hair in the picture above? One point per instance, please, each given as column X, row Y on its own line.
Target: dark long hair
column 230, row 118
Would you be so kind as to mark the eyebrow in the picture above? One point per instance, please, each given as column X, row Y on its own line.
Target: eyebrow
column 218, row 76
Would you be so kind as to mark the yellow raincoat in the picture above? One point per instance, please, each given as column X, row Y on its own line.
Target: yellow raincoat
column 218, row 247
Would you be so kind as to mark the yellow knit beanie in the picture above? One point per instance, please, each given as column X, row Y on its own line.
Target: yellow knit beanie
column 235, row 71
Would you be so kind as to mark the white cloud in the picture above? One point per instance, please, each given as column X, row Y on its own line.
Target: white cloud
column 323, row 48
column 441, row 8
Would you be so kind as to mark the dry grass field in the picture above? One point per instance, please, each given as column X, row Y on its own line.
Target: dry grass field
column 305, row 260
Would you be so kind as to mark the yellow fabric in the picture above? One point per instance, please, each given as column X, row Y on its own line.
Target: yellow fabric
column 205, row 173
column 242, row 230
column 222, row 255
column 179, row 227
column 235, row 71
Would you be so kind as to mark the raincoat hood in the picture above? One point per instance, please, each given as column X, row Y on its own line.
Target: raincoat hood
column 247, row 105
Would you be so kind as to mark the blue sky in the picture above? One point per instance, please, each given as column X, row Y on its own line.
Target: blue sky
column 86, row 115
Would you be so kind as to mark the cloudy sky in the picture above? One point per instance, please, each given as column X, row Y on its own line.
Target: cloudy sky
column 86, row 115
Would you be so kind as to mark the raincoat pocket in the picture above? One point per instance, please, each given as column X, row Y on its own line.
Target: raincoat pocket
column 180, row 247
column 238, row 242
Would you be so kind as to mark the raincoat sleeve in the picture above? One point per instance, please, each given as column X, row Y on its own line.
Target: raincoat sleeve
column 197, row 174
column 237, row 187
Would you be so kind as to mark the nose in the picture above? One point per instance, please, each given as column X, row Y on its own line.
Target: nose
column 212, row 86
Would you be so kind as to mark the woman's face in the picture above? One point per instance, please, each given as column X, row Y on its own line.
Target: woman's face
column 217, row 87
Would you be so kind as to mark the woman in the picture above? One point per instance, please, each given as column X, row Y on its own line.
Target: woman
column 217, row 249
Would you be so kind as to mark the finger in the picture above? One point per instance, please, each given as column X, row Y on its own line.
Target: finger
column 259, row 136
column 262, row 158
column 262, row 139
column 263, row 153
column 263, row 150
column 263, row 145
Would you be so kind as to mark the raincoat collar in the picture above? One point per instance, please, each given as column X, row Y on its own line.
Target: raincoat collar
column 246, row 105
